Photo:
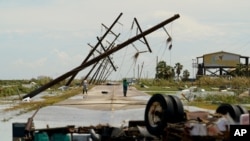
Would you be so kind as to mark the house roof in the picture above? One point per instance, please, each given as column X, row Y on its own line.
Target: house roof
column 223, row 52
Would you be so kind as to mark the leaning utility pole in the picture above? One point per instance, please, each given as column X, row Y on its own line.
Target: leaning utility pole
column 98, row 58
column 98, row 43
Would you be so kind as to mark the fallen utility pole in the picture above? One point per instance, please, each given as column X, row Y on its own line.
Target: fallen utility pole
column 93, row 79
column 98, row 58
column 98, row 43
column 145, row 40
column 110, row 46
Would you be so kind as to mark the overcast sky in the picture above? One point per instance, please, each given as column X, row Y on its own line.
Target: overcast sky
column 51, row 37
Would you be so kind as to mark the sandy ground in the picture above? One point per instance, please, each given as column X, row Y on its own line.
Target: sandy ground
column 104, row 104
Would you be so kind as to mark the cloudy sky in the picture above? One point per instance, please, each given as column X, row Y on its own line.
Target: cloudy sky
column 51, row 37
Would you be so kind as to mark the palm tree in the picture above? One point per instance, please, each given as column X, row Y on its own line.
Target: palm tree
column 239, row 69
column 164, row 71
column 160, row 69
column 169, row 72
column 178, row 67
column 186, row 74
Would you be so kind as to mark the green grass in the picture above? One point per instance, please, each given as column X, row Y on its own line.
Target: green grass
column 160, row 92
column 153, row 87
column 205, row 105
column 49, row 100
column 156, row 88
column 208, row 102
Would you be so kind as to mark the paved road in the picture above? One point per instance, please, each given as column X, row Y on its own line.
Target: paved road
column 92, row 109
column 95, row 108
column 108, row 97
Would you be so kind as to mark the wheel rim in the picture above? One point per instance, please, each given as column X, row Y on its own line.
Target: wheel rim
column 159, row 110
column 154, row 114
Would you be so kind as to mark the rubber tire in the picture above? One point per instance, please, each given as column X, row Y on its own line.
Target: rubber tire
column 242, row 109
column 178, row 109
column 233, row 111
column 166, row 116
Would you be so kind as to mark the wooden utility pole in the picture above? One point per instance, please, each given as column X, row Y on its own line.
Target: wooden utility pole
column 98, row 58
column 92, row 51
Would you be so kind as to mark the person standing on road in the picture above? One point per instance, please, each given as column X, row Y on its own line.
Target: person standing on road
column 85, row 87
column 125, row 87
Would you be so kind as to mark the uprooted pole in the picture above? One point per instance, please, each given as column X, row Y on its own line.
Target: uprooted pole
column 98, row 58
column 92, row 51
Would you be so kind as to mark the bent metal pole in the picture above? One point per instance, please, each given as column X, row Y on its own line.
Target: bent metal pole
column 98, row 58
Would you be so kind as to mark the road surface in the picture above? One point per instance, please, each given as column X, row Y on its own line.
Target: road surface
column 104, row 104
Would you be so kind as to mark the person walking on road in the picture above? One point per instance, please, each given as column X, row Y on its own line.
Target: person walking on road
column 125, row 87
column 85, row 87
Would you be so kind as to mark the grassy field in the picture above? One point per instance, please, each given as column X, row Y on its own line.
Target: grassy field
column 151, row 86
column 48, row 100
column 237, row 86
